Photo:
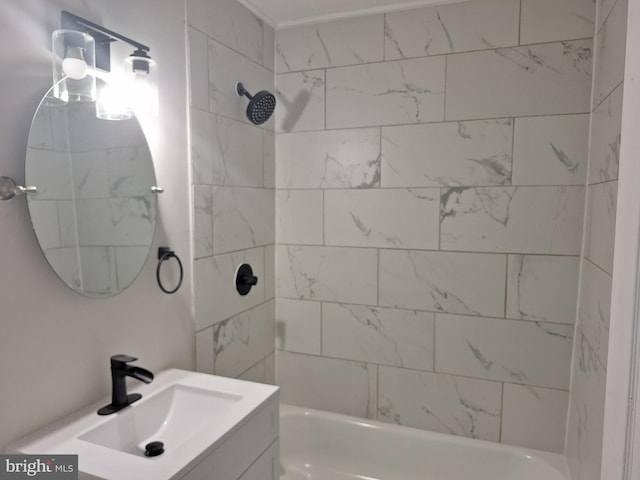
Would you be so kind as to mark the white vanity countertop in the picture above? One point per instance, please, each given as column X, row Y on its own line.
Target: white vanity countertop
column 102, row 462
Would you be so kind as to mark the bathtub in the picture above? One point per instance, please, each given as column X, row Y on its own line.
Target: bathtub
column 317, row 445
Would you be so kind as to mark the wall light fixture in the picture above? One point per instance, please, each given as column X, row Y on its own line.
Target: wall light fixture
column 82, row 51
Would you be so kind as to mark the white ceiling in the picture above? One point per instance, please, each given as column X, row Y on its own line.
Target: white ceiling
column 288, row 13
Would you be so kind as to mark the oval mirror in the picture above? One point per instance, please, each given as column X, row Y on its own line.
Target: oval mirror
column 94, row 213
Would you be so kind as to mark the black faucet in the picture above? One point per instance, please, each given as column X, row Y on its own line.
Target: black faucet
column 119, row 371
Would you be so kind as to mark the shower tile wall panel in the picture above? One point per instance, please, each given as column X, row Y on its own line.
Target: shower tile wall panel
column 442, row 403
column 430, row 174
column 610, row 52
column 388, row 93
column 546, row 20
column 551, row 150
column 544, row 220
column 331, row 44
column 534, row 417
column 586, row 404
column 233, row 172
column 605, row 138
column 451, row 29
column 337, row 385
column 542, row 288
column 503, row 82
column 300, row 101
column 448, row 154
column 467, row 283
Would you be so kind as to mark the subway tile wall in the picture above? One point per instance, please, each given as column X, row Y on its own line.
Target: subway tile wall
column 233, row 172
column 430, row 190
column 586, row 406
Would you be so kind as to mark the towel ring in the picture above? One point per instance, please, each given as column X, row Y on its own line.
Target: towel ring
column 164, row 254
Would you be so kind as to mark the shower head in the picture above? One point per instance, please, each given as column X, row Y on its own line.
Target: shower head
column 261, row 105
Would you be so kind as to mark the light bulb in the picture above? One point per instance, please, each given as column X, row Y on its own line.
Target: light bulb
column 74, row 65
column 142, row 89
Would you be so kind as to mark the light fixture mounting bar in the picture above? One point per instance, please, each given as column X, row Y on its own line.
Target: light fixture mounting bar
column 102, row 35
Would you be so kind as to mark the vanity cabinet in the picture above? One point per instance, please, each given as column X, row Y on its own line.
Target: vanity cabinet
column 250, row 451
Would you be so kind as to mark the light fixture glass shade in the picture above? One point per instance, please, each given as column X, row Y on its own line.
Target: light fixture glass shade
column 113, row 101
column 74, row 63
column 142, row 88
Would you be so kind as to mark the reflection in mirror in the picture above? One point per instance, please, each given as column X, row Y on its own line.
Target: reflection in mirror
column 94, row 214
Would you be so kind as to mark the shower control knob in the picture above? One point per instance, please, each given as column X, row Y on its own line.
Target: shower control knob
column 245, row 279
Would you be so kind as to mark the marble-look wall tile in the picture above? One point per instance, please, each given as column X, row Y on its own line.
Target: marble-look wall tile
column 198, row 69
column 52, row 178
column 441, row 403
column 231, row 23
column 127, row 260
column 610, row 52
column 254, row 373
column 91, row 269
column 269, row 272
column 455, row 153
column 402, row 338
column 331, row 44
column 298, row 326
column 269, row 157
column 243, row 340
column 385, row 218
column 91, row 178
column 225, row 152
column 545, row 220
column 459, row 27
column 329, row 159
column 270, row 369
column 202, row 221
column 586, row 414
column 215, row 295
column 604, row 151
column 443, row 282
column 261, row 372
column 504, row 350
column 328, row 384
column 542, row 288
column 130, row 222
column 88, row 138
column 204, row 351
column 334, row 274
column 593, row 311
column 97, row 270
column 402, row 91
column 534, row 417
column 128, row 172
column 226, row 69
column 601, row 224
column 553, row 20
column 65, row 262
column 542, row 79
column 44, row 213
column 269, row 48
column 299, row 216
column 300, row 101
column 551, row 150
column 603, row 10
column 242, row 218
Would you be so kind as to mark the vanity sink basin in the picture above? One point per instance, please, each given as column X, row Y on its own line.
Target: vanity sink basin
column 190, row 413
column 172, row 416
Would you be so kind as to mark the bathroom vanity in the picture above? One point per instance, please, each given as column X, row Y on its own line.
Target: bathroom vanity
column 211, row 428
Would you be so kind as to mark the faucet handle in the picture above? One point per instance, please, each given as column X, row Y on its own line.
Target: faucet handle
column 121, row 359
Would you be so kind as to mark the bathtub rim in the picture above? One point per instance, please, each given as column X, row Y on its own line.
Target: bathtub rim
column 555, row 460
